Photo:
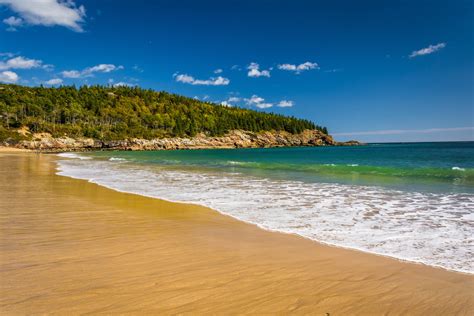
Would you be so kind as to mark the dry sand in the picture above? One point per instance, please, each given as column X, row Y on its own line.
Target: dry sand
column 71, row 247
column 4, row 149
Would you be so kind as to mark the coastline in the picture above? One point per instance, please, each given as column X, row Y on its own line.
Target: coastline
column 393, row 257
column 45, row 142
column 174, row 257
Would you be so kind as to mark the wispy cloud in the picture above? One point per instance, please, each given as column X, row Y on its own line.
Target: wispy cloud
column 213, row 81
column 123, row 84
column 89, row 71
column 260, row 103
column 13, row 22
column 255, row 72
column 407, row 131
column 285, row 103
column 427, row 50
column 231, row 101
column 234, row 99
column 218, row 71
column 71, row 74
column 225, row 103
column 47, row 13
column 20, row 62
column 8, row 77
column 298, row 68
column 101, row 68
column 54, row 81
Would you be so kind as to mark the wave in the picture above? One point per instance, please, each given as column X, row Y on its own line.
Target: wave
column 454, row 175
column 74, row 156
column 117, row 159
column 429, row 228
column 457, row 174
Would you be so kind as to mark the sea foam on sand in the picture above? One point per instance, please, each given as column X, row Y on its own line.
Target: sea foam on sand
column 430, row 228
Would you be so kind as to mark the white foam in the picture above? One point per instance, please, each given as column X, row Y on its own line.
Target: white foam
column 117, row 159
column 458, row 168
column 230, row 162
column 73, row 156
column 430, row 228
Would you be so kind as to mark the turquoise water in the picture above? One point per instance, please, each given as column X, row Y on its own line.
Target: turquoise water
column 423, row 166
column 412, row 202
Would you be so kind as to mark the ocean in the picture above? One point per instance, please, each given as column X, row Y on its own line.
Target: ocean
column 410, row 201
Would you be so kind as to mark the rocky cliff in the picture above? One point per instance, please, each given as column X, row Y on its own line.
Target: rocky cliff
column 233, row 139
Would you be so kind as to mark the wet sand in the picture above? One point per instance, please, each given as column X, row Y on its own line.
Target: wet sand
column 71, row 247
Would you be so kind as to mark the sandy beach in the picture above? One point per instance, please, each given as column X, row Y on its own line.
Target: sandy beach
column 72, row 247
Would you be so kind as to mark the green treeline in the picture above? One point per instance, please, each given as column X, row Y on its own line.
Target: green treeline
column 109, row 113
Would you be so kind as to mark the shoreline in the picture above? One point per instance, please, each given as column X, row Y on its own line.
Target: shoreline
column 319, row 242
column 282, row 272
column 103, row 178
column 6, row 149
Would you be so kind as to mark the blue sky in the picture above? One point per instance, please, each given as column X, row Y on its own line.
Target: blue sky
column 368, row 70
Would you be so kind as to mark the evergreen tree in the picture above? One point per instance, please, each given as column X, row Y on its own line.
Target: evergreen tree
column 107, row 112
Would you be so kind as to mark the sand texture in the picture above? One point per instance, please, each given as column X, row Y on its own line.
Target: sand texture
column 71, row 247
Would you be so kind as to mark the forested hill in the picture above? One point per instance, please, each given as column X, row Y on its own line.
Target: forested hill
column 104, row 112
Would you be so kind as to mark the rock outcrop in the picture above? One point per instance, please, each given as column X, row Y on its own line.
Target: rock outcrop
column 233, row 139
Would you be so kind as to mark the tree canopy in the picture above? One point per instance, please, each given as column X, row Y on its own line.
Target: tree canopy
column 108, row 113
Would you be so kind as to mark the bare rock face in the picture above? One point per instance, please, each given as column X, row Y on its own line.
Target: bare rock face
column 233, row 139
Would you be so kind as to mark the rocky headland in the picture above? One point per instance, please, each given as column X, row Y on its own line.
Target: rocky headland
column 233, row 139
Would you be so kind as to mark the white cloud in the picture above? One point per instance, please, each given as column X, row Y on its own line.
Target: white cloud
column 264, row 105
column 54, row 81
column 89, row 71
column 285, row 103
column 218, row 71
column 428, row 50
column 231, row 101
column 20, row 63
column 13, row 22
column 71, row 74
column 123, row 84
column 184, row 78
column 234, row 99
column 8, row 77
column 259, row 102
column 236, row 67
column 225, row 103
column 49, row 12
column 255, row 72
column 407, row 131
column 101, row 68
column 298, row 68
column 254, row 99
